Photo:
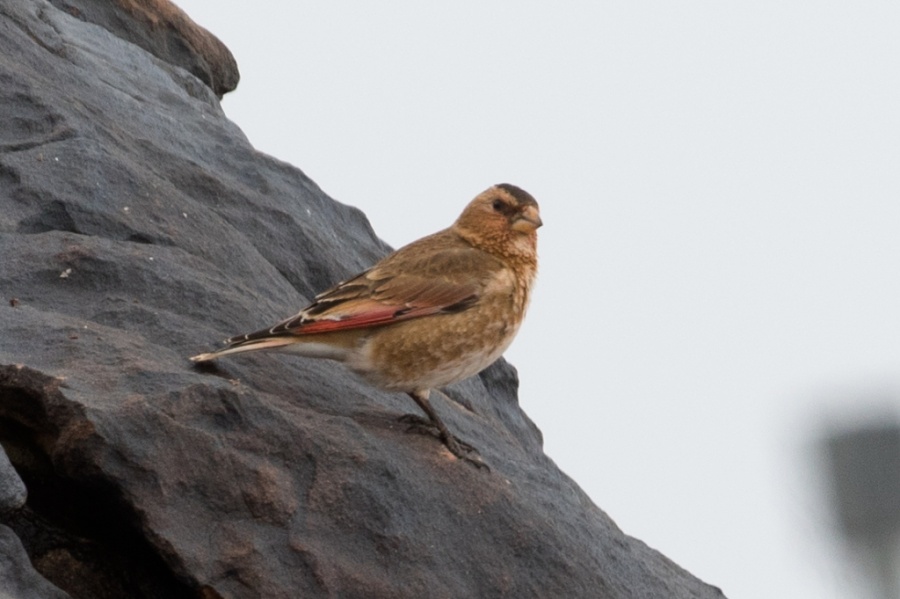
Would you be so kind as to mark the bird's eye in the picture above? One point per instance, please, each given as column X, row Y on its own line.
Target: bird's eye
column 499, row 205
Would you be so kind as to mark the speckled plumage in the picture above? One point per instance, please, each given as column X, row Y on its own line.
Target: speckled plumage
column 434, row 312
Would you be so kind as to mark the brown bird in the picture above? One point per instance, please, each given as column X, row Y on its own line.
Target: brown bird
column 432, row 313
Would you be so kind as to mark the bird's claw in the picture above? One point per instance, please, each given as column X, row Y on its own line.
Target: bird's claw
column 424, row 426
column 418, row 424
column 454, row 445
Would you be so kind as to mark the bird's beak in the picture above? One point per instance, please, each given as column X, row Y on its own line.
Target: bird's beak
column 528, row 221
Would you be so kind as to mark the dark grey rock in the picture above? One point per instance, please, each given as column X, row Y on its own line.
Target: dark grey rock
column 12, row 489
column 18, row 579
column 138, row 227
column 164, row 30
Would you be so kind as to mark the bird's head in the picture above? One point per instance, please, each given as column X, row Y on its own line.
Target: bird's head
column 502, row 218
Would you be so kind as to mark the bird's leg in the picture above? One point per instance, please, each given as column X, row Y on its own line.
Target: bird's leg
column 460, row 449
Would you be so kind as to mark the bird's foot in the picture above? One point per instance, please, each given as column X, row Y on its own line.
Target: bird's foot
column 424, row 426
column 457, row 447
column 418, row 424
column 464, row 451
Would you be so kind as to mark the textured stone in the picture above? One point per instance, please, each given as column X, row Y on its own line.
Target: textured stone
column 18, row 580
column 137, row 227
column 12, row 489
column 164, row 30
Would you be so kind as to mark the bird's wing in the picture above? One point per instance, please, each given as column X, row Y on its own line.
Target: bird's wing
column 405, row 285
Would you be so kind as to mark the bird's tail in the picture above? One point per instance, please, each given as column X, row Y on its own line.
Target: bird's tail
column 331, row 346
column 244, row 346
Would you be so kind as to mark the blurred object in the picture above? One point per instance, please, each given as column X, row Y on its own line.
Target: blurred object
column 864, row 470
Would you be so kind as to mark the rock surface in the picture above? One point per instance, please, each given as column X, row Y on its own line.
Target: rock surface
column 18, row 580
column 162, row 29
column 137, row 227
column 12, row 490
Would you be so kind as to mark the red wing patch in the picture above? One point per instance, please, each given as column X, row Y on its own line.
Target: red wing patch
column 369, row 315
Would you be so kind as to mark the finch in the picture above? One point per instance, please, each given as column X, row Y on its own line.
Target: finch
column 432, row 313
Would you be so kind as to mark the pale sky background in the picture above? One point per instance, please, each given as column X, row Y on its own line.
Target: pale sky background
column 720, row 187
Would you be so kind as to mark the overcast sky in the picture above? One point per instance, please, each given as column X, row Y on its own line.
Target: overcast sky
column 720, row 187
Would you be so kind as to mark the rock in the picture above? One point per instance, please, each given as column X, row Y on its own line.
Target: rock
column 18, row 580
column 162, row 29
column 12, row 489
column 138, row 227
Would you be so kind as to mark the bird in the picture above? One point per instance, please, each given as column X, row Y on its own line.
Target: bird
column 432, row 313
